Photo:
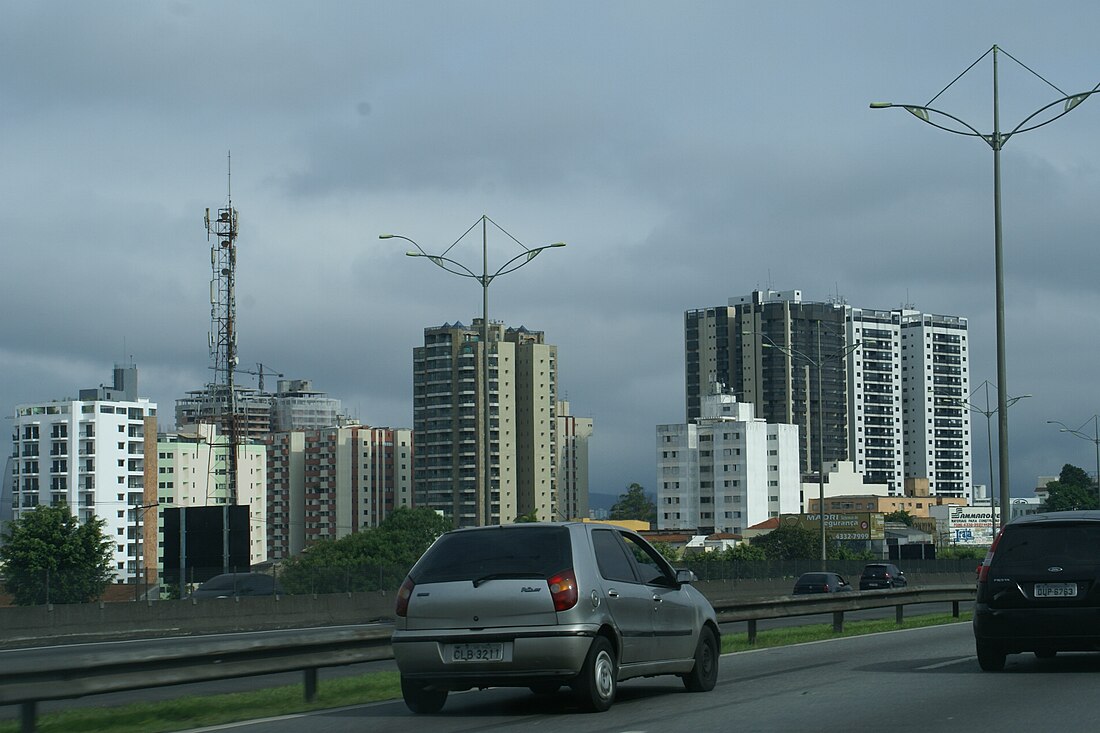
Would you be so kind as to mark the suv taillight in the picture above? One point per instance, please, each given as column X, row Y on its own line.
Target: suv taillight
column 403, row 595
column 563, row 589
column 983, row 569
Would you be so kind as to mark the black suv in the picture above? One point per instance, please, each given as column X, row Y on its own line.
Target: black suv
column 882, row 575
column 1039, row 588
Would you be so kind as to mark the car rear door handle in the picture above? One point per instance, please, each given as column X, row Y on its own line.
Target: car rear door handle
column 612, row 593
column 657, row 598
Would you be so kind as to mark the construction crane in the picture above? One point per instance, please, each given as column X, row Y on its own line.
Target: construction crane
column 260, row 373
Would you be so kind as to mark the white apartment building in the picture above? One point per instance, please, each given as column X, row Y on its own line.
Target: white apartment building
column 96, row 454
column 727, row 470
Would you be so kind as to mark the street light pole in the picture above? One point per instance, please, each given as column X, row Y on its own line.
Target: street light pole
column 1094, row 438
column 485, row 279
column 996, row 141
column 817, row 365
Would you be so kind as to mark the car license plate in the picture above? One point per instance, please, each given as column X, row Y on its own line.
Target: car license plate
column 474, row 652
column 1055, row 590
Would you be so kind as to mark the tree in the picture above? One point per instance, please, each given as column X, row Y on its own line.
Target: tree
column 372, row 559
column 1072, row 490
column 47, row 556
column 901, row 515
column 789, row 542
column 634, row 504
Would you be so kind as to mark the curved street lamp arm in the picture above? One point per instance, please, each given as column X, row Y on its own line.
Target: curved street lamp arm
column 526, row 256
column 917, row 109
column 1070, row 102
column 439, row 261
column 791, row 352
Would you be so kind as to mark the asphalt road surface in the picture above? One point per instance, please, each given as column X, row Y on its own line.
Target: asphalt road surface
column 920, row 681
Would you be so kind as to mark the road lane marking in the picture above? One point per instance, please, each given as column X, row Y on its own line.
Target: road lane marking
column 948, row 663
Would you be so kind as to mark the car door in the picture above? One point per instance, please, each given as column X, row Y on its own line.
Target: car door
column 675, row 612
column 629, row 601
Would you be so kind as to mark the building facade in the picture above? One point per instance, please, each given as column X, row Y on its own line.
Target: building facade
column 95, row 454
column 726, row 470
column 449, row 398
column 326, row 484
column 889, row 380
column 573, row 434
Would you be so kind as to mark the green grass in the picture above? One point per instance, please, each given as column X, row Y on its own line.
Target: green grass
column 819, row 632
column 173, row 715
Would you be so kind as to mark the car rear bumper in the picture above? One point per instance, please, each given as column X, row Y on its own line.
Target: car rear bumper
column 531, row 655
column 1028, row 629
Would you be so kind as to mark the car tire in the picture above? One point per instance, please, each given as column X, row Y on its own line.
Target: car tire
column 704, row 674
column 419, row 699
column 597, row 683
column 991, row 656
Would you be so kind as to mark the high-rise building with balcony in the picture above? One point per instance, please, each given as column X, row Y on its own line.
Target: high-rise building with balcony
column 448, row 420
column 97, row 455
column 890, row 381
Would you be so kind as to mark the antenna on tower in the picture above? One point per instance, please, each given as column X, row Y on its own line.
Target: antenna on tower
column 222, row 233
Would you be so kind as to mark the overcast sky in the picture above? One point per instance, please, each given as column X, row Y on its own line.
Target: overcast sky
column 686, row 152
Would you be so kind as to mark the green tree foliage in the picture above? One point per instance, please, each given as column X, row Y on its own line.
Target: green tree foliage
column 47, row 556
column 531, row 516
column 1072, row 490
column 667, row 551
column 635, row 504
column 901, row 515
column 374, row 559
column 789, row 542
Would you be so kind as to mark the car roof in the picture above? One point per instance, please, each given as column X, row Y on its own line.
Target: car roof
column 1082, row 515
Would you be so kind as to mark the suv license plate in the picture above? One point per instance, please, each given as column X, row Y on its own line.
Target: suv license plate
column 1055, row 590
column 474, row 652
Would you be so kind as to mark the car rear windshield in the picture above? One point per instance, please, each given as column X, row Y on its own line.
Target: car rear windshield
column 1061, row 543
column 519, row 552
column 874, row 571
column 814, row 578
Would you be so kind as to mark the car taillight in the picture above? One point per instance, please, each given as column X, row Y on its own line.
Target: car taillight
column 983, row 569
column 403, row 595
column 563, row 589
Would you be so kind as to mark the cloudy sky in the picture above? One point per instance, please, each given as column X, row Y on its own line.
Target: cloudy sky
column 686, row 152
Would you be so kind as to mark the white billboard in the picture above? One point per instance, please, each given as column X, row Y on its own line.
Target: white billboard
column 972, row 525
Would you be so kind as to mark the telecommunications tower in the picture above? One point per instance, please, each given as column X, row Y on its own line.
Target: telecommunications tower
column 221, row 231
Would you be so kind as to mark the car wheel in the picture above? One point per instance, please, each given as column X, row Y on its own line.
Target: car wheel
column 419, row 699
column 991, row 656
column 596, row 684
column 704, row 674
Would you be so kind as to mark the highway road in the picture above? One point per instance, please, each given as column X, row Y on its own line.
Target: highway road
column 920, row 680
column 11, row 712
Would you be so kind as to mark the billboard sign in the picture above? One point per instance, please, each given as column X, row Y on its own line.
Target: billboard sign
column 841, row 526
column 972, row 525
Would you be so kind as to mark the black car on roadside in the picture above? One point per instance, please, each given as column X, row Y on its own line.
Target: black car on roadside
column 882, row 575
column 1039, row 588
column 821, row 583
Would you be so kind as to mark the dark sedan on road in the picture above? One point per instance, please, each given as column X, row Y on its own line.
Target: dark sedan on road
column 821, row 583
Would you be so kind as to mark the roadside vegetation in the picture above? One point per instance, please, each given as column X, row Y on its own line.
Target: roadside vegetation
column 187, row 713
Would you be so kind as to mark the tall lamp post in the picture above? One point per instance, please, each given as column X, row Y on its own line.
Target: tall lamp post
column 989, row 412
column 817, row 363
column 996, row 140
column 485, row 279
column 1094, row 438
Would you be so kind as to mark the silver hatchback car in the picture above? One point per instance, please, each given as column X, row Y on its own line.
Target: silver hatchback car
column 544, row 605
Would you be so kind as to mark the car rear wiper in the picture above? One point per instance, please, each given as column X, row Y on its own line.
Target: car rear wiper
column 501, row 576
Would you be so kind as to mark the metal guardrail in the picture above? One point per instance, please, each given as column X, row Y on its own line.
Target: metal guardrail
column 28, row 681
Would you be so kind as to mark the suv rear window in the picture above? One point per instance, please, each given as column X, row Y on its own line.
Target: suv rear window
column 874, row 571
column 524, row 552
column 1048, row 543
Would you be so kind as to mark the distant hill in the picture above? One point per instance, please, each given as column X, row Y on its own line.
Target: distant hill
column 602, row 501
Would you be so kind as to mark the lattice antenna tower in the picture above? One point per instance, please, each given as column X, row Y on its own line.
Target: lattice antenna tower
column 221, row 232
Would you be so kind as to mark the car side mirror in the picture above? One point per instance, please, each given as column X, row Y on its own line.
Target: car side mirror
column 685, row 576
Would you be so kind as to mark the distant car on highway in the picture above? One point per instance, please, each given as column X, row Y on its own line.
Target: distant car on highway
column 1039, row 588
column 546, row 605
column 237, row 585
column 882, row 575
column 821, row 583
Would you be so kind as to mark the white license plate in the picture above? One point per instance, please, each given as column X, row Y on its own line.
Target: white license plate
column 474, row 652
column 1055, row 590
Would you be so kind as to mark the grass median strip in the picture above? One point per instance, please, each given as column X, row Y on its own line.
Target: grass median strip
column 196, row 712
